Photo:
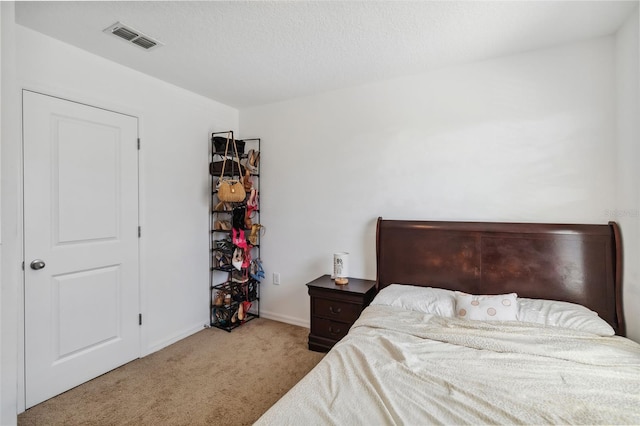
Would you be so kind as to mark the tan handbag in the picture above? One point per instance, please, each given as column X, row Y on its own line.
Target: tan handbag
column 229, row 189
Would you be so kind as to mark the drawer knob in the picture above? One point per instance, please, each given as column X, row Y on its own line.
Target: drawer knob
column 335, row 333
column 335, row 311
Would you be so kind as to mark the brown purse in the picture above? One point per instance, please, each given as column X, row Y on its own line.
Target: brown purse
column 229, row 189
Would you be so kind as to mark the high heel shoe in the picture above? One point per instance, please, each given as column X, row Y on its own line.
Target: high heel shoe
column 241, row 312
column 248, row 223
column 238, row 258
column 255, row 232
column 255, row 270
column 255, row 161
column 222, row 207
column 246, row 305
column 238, row 238
column 221, row 260
column 247, row 181
column 222, row 225
column 251, row 162
column 252, row 201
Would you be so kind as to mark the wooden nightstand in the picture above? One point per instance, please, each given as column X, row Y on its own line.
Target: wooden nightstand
column 334, row 309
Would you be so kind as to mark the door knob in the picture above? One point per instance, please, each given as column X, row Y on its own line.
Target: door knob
column 37, row 264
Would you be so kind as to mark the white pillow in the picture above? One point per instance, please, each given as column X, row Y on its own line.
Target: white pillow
column 430, row 300
column 562, row 314
column 501, row 307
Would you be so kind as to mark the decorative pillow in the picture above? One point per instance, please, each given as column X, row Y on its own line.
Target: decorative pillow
column 501, row 307
column 430, row 300
column 562, row 314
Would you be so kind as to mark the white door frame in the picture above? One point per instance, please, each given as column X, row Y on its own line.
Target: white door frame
column 81, row 98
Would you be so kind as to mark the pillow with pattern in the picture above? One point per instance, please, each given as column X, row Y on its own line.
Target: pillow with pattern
column 499, row 307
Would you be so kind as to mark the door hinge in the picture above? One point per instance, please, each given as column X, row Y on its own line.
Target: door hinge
column 139, row 231
column 138, row 144
column 23, row 265
column 139, row 319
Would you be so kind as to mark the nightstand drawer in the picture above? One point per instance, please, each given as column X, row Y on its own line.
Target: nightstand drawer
column 330, row 329
column 332, row 309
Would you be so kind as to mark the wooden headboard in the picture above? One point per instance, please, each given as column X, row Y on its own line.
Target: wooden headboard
column 572, row 263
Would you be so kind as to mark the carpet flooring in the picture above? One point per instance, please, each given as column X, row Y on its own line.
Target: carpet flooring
column 210, row 378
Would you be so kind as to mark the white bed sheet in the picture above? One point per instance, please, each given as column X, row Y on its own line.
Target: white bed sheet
column 403, row 367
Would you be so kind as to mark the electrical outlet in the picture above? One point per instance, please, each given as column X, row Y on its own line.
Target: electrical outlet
column 276, row 278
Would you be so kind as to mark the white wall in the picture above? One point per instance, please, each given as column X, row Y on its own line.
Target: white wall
column 627, row 212
column 9, row 266
column 526, row 138
column 174, row 198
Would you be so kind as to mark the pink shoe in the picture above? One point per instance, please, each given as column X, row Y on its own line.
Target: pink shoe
column 252, row 201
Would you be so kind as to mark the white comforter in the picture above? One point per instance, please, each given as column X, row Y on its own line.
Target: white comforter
column 404, row 367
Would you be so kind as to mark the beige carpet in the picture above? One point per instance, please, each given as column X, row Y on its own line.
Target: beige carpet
column 212, row 377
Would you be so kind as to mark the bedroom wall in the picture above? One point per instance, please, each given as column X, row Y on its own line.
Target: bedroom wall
column 174, row 125
column 9, row 133
column 529, row 138
column 627, row 211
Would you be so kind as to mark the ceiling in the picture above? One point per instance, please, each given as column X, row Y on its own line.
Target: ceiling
column 246, row 53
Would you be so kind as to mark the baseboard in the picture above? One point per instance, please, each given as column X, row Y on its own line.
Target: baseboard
column 284, row 318
column 173, row 339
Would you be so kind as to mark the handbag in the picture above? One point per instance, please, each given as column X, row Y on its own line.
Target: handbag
column 229, row 189
column 219, row 144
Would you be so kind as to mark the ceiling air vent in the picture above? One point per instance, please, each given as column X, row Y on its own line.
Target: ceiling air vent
column 131, row 35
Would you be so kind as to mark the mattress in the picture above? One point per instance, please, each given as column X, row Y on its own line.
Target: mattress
column 404, row 367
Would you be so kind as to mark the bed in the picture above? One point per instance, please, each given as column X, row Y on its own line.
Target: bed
column 481, row 323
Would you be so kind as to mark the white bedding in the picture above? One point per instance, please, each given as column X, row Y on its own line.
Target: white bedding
column 398, row 366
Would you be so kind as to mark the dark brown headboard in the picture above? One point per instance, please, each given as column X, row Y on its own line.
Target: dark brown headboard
column 572, row 263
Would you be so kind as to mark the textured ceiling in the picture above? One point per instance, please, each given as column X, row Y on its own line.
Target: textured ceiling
column 251, row 53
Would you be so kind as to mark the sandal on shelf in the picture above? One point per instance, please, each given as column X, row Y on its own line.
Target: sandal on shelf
column 222, row 207
column 238, row 258
column 247, row 220
column 224, row 245
column 252, row 160
column 222, row 225
column 222, row 316
column 247, row 258
column 255, row 233
column 252, row 201
column 247, row 181
column 255, row 270
column 246, row 305
column 241, row 312
column 239, row 277
column 238, row 239
column 218, row 299
column 221, row 260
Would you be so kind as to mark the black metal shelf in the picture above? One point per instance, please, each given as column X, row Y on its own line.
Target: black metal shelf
column 222, row 314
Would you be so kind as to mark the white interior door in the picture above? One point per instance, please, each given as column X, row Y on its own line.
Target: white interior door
column 80, row 243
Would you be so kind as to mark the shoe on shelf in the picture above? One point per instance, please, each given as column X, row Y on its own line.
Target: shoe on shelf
column 239, row 277
column 255, row 270
column 218, row 299
column 238, row 258
column 252, row 201
column 247, row 181
column 222, row 207
column 221, row 260
column 241, row 312
column 251, row 162
column 222, row 225
column 255, row 233
column 246, row 305
column 224, row 245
